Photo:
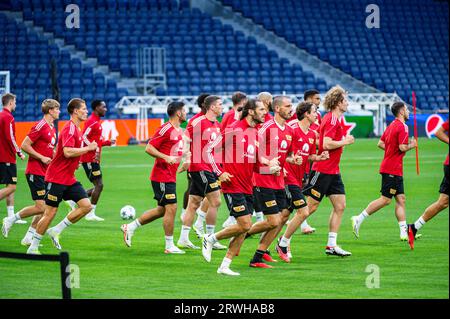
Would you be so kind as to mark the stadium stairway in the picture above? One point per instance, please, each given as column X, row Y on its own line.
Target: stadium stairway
column 284, row 49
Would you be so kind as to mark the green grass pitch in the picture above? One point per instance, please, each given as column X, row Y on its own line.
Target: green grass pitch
column 108, row 269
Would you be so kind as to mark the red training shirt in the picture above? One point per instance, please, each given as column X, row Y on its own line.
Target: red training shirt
column 395, row 135
column 330, row 127
column 43, row 137
column 8, row 145
column 62, row 169
column 169, row 141
column 92, row 132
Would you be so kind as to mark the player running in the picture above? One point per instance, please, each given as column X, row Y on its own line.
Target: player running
column 442, row 202
column 395, row 144
column 275, row 145
column 240, row 151
column 167, row 147
column 304, row 145
column 239, row 99
column 60, row 178
column 203, row 170
column 91, row 161
column 39, row 144
column 9, row 150
column 325, row 175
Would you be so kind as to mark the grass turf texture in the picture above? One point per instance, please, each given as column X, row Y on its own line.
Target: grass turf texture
column 108, row 269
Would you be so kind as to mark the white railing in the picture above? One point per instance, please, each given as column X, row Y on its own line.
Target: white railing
column 4, row 82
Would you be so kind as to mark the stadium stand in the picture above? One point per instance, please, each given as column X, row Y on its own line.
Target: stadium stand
column 202, row 53
column 408, row 52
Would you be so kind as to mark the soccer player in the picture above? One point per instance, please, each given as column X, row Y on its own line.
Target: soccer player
column 203, row 170
column 325, row 175
column 167, row 147
column 9, row 150
column 91, row 161
column 312, row 96
column 442, row 202
column 395, row 144
column 239, row 99
column 201, row 212
column 60, row 178
column 39, row 144
column 275, row 145
column 304, row 145
column 267, row 99
column 240, row 152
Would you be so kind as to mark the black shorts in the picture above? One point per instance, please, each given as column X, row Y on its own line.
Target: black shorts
column 8, row 173
column 37, row 186
column 256, row 204
column 321, row 185
column 92, row 170
column 445, row 181
column 57, row 192
column 391, row 185
column 203, row 182
column 165, row 193
column 272, row 201
column 295, row 197
column 239, row 204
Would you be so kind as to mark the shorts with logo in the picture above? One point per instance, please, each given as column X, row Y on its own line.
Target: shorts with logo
column 36, row 184
column 57, row 192
column 8, row 173
column 165, row 193
column 272, row 201
column 295, row 197
column 239, row 204
column 391, row 185
column 443, row 189
column 321, row 185
column 92, row 170
column 203, row 183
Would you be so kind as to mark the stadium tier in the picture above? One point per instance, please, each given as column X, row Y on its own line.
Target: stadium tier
column 408, row 52
column 205, row 55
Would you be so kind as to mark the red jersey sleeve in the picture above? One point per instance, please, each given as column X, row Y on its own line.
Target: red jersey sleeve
column 330, row 130
column 68, row 140
column 34, row 134
column 158, row 139
column 403, row 134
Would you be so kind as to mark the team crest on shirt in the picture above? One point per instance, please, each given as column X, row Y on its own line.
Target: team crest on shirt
column 271, row 203
column 289, row 138
column 239, row 209
column 311, row 141
column 393, row 191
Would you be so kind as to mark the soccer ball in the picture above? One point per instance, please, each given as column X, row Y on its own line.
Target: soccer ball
column 127, row 212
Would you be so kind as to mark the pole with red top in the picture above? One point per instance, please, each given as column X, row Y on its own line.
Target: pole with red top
column 415, row 131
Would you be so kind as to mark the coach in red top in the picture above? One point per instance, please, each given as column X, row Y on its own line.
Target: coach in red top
column 39, row 144
column 60, row 178
column 325, row 175
column 442, row 202
column 8, row 147
column 395, row 143
column 91, row 161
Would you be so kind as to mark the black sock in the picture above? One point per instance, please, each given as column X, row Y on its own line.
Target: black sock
column 257, row 257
